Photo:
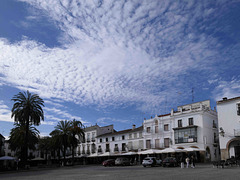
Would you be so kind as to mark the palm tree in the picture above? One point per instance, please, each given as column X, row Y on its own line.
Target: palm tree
column 62, row 134
column 77, row 134
column 27, row 110
column 18, row 136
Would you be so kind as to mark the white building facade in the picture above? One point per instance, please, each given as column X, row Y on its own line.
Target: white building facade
column 191, row 126
column 229, row 127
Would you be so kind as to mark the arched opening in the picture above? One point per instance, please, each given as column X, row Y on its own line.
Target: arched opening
column 233, row 148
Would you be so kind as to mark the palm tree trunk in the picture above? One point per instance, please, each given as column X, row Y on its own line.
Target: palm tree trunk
column 72, row 154
column 26, row 143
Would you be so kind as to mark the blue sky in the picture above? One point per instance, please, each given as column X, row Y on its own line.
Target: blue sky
column 117, row 62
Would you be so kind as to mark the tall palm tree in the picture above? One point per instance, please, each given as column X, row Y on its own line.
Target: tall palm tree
column 77, row 134
column 18, row 136
column 62, row 133
column 27, row 110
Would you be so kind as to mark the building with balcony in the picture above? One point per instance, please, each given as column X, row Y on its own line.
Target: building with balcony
column 229, row 127
column 88, row 145
column 190, row 127
column 119, row 142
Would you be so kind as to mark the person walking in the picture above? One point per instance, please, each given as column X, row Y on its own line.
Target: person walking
column 192, row 162
column 182, row 162
column 187, row 161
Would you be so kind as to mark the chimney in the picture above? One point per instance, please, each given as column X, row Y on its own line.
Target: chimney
column 225, row 98
column 133, row 126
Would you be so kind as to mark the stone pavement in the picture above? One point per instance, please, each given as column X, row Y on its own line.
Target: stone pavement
column 98, row 172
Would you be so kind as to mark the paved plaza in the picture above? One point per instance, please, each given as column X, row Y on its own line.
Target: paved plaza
column 98, row 172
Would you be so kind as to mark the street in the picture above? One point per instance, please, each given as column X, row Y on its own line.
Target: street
column 98, row 172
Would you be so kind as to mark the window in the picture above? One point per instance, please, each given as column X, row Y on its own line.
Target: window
column 93, row 135
column 107, row 148
column 148, row 129
column 180, row 123
column 113, row 138
column 157, row 143
column 238, row 109
column 140, row 135
column 188, row 135
column 190, row 121
column 100, row 140
column 166, row 142
column 214, row 138
column 156, row 129
column 88, row 137
column 214, row 124
column 116, row 148
column 123, row 146
column 106, row 139
column 156, row 122
column 166, row 127
column 123, row 137
column 130, row 136
column 135, row 135
column 148, row 144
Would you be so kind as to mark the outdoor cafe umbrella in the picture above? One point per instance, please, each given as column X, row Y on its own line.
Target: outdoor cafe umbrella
column 150, row 151
column 7, row 158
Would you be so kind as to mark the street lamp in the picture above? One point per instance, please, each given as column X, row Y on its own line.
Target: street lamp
column 222, row 133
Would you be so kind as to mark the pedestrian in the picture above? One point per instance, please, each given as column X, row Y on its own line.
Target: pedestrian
column 187, row 161
column 182, row 162
column 192, row 162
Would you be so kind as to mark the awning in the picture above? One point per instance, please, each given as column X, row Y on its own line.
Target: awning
column 151, row 151
column 172, row 150
column 129, row 153
column 193, row 149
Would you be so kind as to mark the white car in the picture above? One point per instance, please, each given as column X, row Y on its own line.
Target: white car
column 151, row 161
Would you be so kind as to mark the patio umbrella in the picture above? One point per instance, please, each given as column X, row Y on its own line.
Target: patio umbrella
column 7, row 158
column 129, row 153
column 172, row 150
column 193, row 149
column 38, row 159
column 151, row 151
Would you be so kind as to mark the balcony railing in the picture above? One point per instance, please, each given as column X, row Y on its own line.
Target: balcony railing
column 185, row 140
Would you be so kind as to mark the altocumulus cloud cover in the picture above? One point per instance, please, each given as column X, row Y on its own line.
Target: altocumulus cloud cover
column 115, row 62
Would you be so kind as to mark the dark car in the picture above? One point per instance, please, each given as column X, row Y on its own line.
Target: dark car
column 122, row 161
column 170, row 161
column 109, row 162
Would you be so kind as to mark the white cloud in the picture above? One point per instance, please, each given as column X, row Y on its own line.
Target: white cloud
column 108, row 120
column 229, row 89
column 116, row 53
column 5, row 113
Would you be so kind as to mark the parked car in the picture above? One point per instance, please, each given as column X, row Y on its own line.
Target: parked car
column 122, row 161
column 170, row 161
column 151, row 161
column 108, row 162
